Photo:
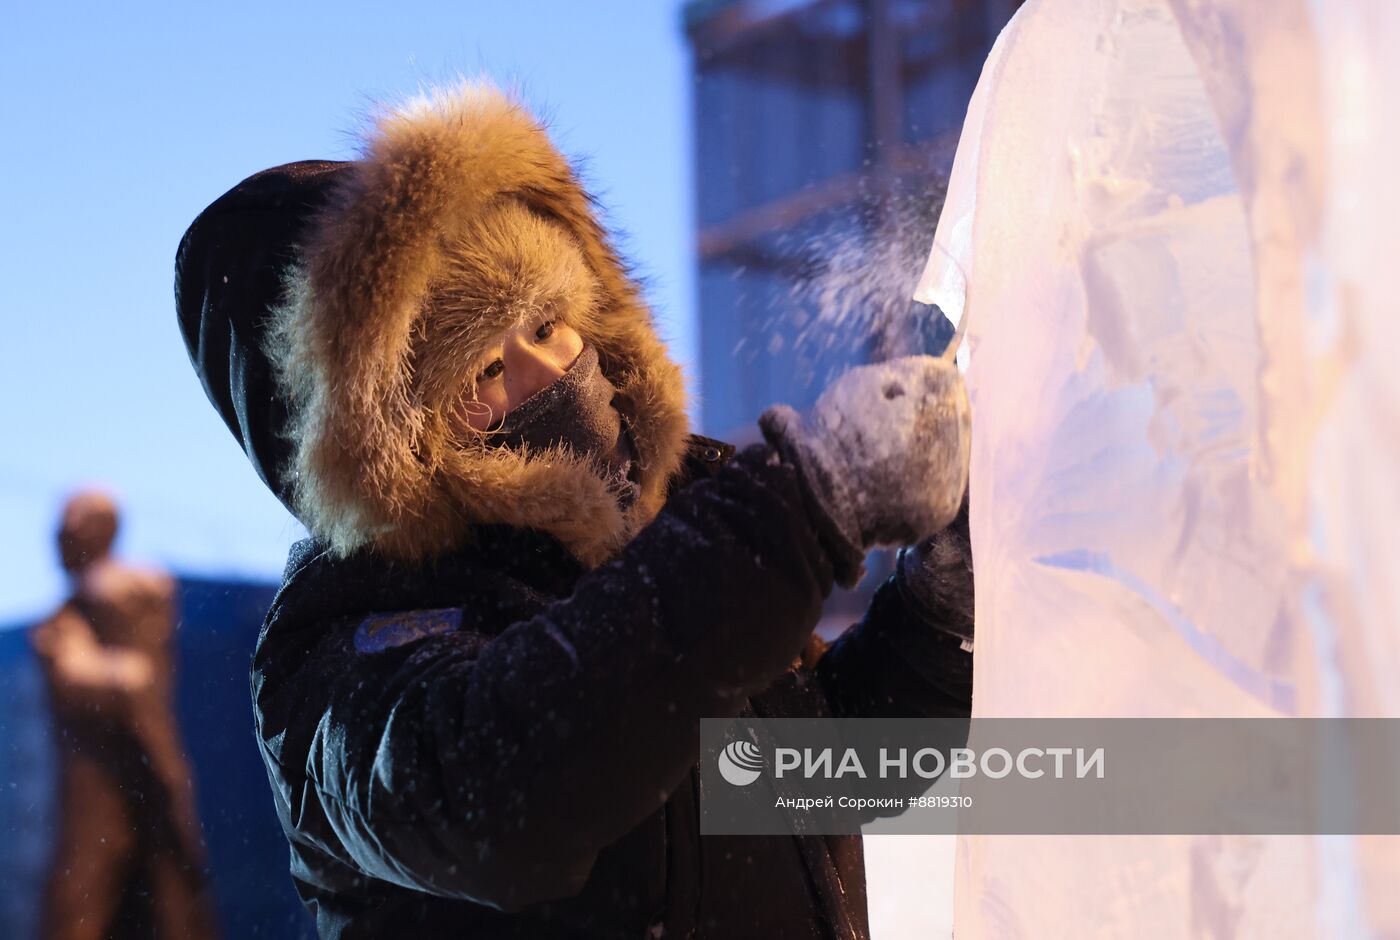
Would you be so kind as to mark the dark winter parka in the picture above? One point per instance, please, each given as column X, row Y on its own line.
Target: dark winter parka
column 501, row 743
column 478, row 691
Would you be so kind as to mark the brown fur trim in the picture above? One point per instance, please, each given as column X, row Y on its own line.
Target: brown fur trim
column 499, row 271
column 459, row 219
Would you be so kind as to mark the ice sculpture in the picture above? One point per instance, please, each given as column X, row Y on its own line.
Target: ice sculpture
column 1168, row 229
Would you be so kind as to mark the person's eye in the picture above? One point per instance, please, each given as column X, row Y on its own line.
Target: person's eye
column 490, row 372
column 545, row 331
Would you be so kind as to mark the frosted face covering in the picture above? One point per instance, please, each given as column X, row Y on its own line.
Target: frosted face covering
column 577, row 411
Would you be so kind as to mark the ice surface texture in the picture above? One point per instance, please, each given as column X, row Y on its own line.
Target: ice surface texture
column 1167, row 227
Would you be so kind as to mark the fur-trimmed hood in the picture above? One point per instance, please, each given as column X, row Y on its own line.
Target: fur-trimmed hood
column 459, row 219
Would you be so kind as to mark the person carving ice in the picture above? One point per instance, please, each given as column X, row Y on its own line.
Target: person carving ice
column 478, row 690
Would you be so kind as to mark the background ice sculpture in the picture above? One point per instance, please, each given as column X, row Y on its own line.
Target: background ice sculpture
column 1169, row 227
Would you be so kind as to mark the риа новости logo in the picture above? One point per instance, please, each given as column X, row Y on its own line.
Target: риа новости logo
column 740, row 763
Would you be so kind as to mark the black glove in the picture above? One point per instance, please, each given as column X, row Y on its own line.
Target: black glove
column 935, row 579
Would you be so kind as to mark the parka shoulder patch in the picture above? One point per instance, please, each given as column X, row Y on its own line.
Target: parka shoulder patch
column 380, row 632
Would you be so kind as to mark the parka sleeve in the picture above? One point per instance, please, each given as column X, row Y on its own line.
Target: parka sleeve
column 906, row 658
column 893, row 664
column 495, row 769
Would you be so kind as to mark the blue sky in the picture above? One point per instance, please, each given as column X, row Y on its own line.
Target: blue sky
column 124, row 121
